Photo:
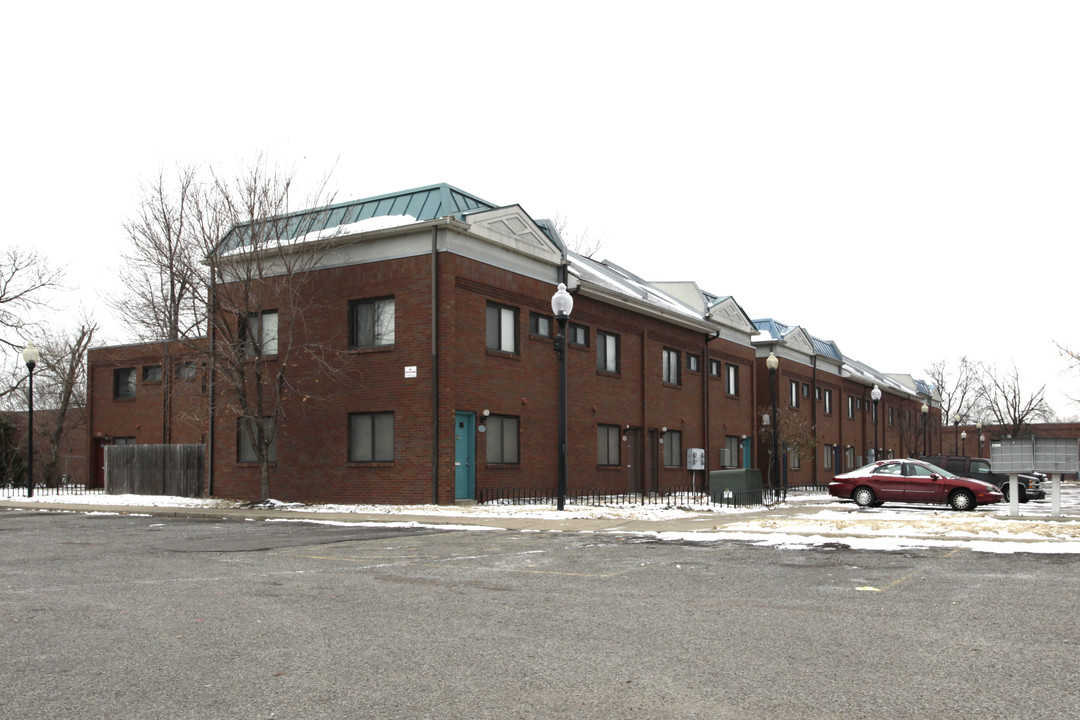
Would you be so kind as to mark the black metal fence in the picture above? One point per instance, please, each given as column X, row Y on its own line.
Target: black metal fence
column 15, row 489
column 675, row 497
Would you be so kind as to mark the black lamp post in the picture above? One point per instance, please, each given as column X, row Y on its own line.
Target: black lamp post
column 875, row 397
column 925, row 429
column 963, row 443
column 978, row 429
column 772, row 363
column 30, row 356
column 956, row 432
column 562, row 303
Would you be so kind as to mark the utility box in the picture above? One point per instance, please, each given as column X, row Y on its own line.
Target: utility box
column 741, row 486
column 1045, row 455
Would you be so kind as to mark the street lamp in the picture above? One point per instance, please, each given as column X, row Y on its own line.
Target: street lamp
column 956, row 431
column 875, row 396
column 978, row 429
column 925, row 430
column 963, row 441
column 30, row 356
column 772, row 363
column 562, row 303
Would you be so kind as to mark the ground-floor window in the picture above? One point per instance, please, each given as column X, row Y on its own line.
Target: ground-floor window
column 672, row 448
column 502, row 439
column 371, row 437
column 247, row 435
column 608, row 441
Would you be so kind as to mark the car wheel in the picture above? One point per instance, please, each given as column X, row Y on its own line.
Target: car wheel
column 1023, row 493
column 962, row 500
column 864, row 496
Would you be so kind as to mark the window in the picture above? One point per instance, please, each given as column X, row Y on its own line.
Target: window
column 607, row 352
column 260, row 333
column 794, row 394
column 608, row 441
column 151, row 373
column 540, row 324
column 731, row 379
column 850, row 407
column 892, row 416
column 502, row 439
column 577, row 335
column 826, row 455
column 185, row 371
column 502, row 328
column 371, row 437
column 123, row 441
column 714, row 368
column 805, row 390
column 693, row 362
column 827, row 398
column 247, row 431
column 124, row 383
column 672, row 448
column 793, row 458
column 731, row 450
column 849, row 458
column 672, row 367
column 371, row 323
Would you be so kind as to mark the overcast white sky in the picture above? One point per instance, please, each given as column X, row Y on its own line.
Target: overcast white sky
column 901, row 178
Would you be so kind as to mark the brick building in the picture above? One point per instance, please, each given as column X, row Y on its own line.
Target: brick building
column 828, row 396
column 428, row 373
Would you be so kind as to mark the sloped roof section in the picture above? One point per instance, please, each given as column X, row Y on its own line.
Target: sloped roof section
column 421, row 204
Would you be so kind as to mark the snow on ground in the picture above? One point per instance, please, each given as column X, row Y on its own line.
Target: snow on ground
column 802, row 522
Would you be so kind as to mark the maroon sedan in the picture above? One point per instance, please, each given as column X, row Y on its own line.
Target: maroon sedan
column 912, row 481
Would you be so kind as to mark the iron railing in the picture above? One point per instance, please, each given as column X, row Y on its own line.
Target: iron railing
column 13, row 489
column 674, row 497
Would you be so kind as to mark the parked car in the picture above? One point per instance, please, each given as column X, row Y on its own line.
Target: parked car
column 1029, row 484
column 912, row 481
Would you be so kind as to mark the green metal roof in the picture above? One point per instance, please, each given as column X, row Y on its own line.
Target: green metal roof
column 424, row 203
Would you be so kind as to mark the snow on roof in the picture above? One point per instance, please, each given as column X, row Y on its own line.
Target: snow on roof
column 610, row 277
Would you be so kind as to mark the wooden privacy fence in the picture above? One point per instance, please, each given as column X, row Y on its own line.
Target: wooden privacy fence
column 154, row 470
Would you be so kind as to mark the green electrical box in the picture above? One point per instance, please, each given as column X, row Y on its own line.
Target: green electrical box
column 741, row 486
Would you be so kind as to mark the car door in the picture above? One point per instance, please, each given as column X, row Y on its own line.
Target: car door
column 888, row 482
column 922, row 485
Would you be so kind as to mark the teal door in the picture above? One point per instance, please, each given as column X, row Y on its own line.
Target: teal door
column 464, row 452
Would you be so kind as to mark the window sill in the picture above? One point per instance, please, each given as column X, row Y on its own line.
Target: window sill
column 503, row 354
column 609, row 374
column 502, row 466
column 372, row 349
column 370, row 464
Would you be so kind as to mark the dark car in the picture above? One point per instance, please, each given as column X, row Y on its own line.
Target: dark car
column 912, row 481
column 1028, row 484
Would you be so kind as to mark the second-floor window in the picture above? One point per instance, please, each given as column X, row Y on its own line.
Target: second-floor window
column 607, row 352
column 502, row 328
column 731, row 379
column 794, row 394
column 124, row 383
column 672, row 367
column 371, row 323
column 259, row 332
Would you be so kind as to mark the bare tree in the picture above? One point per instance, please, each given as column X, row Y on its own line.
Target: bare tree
column 62, row 375
column 958, row 388
column 581, row 244
column 26, row 279
column 1007, row 405
column 260, row 259
column 162, row 273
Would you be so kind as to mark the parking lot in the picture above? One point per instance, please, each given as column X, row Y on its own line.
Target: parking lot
column 144, row 617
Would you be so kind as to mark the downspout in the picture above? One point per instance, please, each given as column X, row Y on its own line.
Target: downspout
column 814, row 419
column 705, row 401
column 435, row 364
column 211, row 381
